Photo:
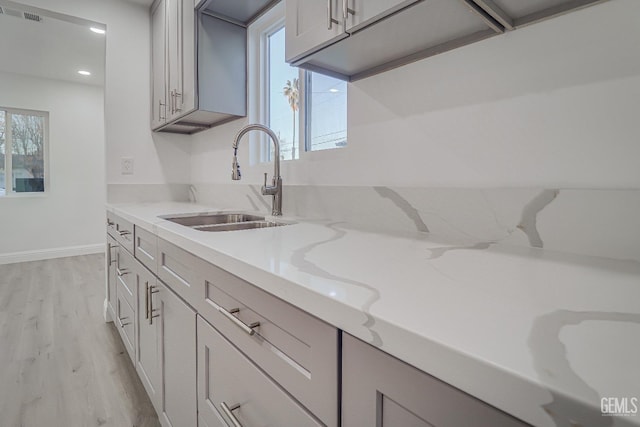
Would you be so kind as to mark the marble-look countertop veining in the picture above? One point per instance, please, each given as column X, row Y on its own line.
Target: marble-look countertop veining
column 542, row 335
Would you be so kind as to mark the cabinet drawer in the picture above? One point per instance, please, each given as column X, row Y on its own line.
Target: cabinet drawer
column 125, row 276
column 380, row 390
column 125, row 321
column 146, row 248
column 111, row 224
column 121, row 230
column 227, row 377
column 177, row 269
column 297, row 350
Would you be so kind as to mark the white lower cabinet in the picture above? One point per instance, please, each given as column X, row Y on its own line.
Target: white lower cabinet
column 125, row 320
column 148, row 351
column 178, row 347
column 231, row 385
column 243, row 357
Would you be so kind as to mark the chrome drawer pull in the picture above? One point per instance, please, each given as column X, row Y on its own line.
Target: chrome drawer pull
column 121, row 272
column 249, row 329
column 122, row 325
column 110, row 223
column 228, row 411
column 124, row 232
column 152, row 316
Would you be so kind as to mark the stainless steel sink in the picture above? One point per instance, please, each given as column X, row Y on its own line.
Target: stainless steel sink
column 242, row 226
column 197, row 221
column 228, row 221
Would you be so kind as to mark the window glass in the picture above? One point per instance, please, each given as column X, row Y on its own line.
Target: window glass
column 326, row 112
column 283, row 97
column 27, row 160
column 2, row 161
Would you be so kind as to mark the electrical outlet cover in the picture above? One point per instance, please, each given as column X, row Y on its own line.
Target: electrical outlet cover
column 126, row 166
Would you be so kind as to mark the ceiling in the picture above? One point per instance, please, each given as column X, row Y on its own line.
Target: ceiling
column 56, row 47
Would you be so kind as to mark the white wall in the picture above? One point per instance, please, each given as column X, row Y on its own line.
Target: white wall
column 70, row 213
column 161, row 159
column 551, row 105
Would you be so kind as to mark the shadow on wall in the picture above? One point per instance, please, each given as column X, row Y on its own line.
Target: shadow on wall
column 562, row 52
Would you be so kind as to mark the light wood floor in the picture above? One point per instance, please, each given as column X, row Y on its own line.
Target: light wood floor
column 60, row 364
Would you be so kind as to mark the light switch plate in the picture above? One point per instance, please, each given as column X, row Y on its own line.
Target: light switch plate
column 126, row 166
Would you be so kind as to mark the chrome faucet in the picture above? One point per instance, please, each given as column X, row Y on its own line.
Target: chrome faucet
column 275, row 189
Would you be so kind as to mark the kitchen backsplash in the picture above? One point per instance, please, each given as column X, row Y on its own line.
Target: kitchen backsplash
column 145, row 193
column 599, row 222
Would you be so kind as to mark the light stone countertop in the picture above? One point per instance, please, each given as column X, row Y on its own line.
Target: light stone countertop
column 541, row 335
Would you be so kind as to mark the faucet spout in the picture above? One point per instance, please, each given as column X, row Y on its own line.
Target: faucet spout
column 275, row 189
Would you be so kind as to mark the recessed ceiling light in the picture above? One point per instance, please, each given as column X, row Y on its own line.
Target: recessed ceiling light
column 333, row 90
column 84, row 72
column 97, row 30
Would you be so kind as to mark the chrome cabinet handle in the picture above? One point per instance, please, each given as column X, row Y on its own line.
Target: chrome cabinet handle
column 160, row 108
column 346, row 10
column 228, row 411
column 121, row 272
column 178, row 95
column 110, row 223
column 249, row 329
column 330, row 19
column 123, row 232
column 122, row 325
column 150, row 293
column 146, row 301
column 171, row 102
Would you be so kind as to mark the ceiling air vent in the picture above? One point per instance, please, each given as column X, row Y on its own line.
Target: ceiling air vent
column 32, row 17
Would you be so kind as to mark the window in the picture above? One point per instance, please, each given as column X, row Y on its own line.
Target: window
column 308, row 111
column 23, row 139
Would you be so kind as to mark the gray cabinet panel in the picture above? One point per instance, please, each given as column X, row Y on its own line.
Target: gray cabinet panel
column 297, row 350
column 309, row 28
column 121, row 230
column 112, row 250
column 380, row 390
column 178, row 348
column 422, row 29
column 148, row 329
column 125, row 321
column 125, row 276
column 177, row 269
column 158, row 64
column 146, row 248
column 227, row 377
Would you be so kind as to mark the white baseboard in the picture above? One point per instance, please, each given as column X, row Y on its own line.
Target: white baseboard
column 11, row 258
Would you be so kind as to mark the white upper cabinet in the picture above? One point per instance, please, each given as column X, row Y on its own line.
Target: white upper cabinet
column 312, row 24
column 180, row 56
column 354, row 39
column 159, row 64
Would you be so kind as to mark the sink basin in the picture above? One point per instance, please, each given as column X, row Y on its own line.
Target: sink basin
column 241, row 226
column 228, row 221
column 197, row 221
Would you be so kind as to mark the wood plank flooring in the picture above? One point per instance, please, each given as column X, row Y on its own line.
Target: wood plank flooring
column 60, row 363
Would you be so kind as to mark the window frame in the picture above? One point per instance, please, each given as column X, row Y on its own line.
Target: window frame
column 258, row 67
column 8, row 152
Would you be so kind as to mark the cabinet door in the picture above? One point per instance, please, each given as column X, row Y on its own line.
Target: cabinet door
column 380, row 390
column 158, row 65
column 112, row 246
column 125, row 321
column 229, row 382
column 174, row 56
column 365, row 12
column 186, row 102
column 148, row 351
column 178, row 348
column 310, row 26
